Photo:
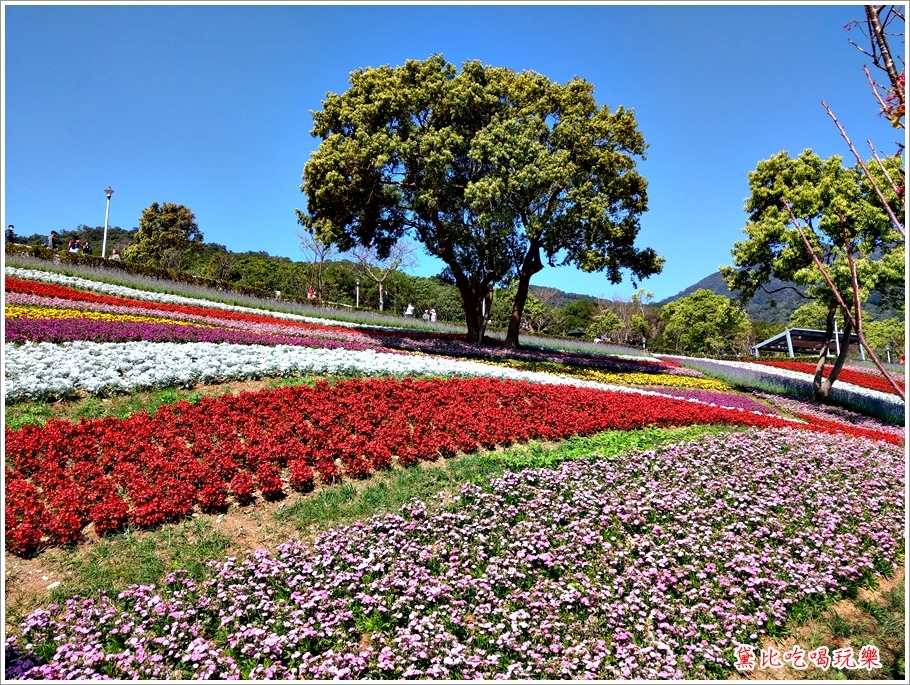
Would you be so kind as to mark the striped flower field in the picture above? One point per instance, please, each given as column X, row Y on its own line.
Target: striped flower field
column 650, row 563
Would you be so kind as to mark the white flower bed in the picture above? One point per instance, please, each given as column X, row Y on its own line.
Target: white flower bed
column 40, row 370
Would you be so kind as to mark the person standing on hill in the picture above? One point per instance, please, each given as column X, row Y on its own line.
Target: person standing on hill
column 10, row 234
column 115, row 256
column 52, row 241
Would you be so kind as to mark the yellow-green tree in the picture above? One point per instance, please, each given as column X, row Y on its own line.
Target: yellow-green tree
column 166, row 232
column 706, row 323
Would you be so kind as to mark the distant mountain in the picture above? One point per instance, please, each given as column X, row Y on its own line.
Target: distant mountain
column 772, row 308
column 554, row 297
column 776, row 307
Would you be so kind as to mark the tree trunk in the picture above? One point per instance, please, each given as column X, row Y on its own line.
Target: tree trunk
column 821, row 386
column 839, row 362
column 475, row 317
column 380, row 296
column 823, row 355
column 530, row 266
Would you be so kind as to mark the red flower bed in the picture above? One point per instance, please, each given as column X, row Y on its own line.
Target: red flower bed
column 835, row 427
column 863, row 380
column 147, row 470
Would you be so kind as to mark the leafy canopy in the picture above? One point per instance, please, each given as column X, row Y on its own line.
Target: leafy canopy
column 165, row 231
column 488, row 168
column 706, row 323
column 828, row 199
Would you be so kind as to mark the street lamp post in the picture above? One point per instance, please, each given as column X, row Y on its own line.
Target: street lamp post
column 358, row 292
column 108, row 191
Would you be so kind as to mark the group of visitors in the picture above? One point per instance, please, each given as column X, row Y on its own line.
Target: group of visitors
column 76, row 245
column 428, row 314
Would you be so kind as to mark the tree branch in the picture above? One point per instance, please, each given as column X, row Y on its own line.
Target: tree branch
column 875, row 86
column 854, row 281
column 786, row 287
column 897, row 224
column 879, row 38
column 884, row 170
column 840, row 300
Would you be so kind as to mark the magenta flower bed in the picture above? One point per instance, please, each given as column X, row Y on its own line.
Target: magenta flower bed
column 21, row 329
column 722, row 399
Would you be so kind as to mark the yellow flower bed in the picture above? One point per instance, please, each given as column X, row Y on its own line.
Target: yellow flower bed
column 617, row 378
column 667, row 380
column 15, row 311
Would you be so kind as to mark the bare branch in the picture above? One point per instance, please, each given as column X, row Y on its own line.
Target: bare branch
column 875, row 86
column 897, row 224
column 881, row 41
column 884, row 170
column 854, row 281
column 840, row 300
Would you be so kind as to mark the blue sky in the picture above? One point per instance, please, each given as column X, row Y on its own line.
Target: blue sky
column 209, row 106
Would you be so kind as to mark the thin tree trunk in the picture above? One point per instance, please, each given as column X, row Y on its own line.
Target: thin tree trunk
column 530, row 266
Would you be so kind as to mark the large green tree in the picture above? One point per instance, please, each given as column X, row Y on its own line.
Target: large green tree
column 493, row 171
column 841, row 218
column 166, row 232
column 706, row 323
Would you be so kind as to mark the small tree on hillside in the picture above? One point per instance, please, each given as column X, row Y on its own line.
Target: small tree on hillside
column 317, row 254
column 604, row 325
column 165, row 233
column 706, row 323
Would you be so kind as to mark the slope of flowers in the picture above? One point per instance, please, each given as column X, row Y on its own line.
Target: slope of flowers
column 213, row 313
column 47, row 284
column 266, row 325
column 491, row 352
column 45, row 370
column 54, row 329
column 883, row 405
column 653, row 565
column 863, row 380
column 169, row 304
column 62, row 476
column 721, row 399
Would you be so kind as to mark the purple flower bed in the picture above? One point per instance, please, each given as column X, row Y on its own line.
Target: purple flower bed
column 721, row 399
column 21, row 329
column 653, row 565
